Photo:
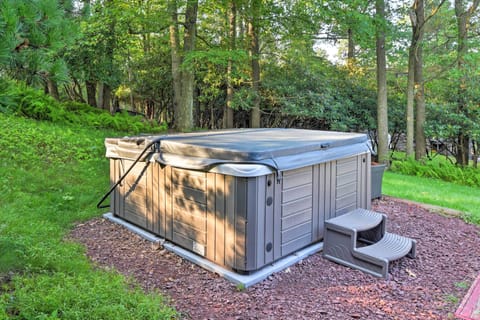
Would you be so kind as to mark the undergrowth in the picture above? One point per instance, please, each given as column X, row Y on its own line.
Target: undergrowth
column 438, row 168
column 18, row 99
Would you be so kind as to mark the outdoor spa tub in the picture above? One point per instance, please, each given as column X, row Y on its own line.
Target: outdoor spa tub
column 239, row 198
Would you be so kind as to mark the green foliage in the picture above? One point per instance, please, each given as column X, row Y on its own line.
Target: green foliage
column 98, row 295
column 33, row 35
column 445, row 121
column 439, row 168
column 51, row 175
column 307, row 86
column 462, row 285
column 40, row 142
column 20, row 99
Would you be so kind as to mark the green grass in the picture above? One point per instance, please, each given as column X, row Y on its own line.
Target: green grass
column 51, row 176
column 435, row 192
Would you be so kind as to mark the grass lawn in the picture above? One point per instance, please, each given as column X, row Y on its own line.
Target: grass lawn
column 51, row 177
column 436, row 192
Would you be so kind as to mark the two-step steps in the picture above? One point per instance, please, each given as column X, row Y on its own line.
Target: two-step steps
column 358, row 239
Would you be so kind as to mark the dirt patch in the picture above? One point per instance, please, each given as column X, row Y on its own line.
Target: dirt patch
column 428, row 287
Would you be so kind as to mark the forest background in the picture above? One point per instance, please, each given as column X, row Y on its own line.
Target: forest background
column 405, row 68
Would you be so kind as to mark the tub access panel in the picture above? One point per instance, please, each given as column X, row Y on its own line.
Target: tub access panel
column 241, row 198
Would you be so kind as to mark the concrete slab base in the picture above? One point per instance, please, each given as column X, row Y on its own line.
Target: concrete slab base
column 239, row 279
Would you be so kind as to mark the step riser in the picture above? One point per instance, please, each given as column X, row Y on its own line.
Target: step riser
column 380, row 271
column 341, row 240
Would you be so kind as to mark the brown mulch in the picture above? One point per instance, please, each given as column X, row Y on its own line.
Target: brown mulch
column 428, row 287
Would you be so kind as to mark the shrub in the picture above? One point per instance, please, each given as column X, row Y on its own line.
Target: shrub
column 20, row 99
column 438, row 169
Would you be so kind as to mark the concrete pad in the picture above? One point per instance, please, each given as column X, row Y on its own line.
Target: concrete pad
column 239, row 279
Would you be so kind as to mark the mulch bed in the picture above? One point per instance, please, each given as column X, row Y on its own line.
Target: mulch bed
column 428, row 287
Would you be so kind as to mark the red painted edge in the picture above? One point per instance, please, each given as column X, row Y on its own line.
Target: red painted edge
column 469, row 309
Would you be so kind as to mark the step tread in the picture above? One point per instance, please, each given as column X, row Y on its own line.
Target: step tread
column 358, row 219
column 391, row 247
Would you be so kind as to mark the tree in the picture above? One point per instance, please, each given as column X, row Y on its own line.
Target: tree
column 254, row 50
column 94, row 58
column 382, row 107
column 183, row 77
column 415, row 83
column 32, row 38
column 232, row 25
column 420, row 144
column 463, row 16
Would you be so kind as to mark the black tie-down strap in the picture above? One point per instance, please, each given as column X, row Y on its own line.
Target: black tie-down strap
column 105, row 196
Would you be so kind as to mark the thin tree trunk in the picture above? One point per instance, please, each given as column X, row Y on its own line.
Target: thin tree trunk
column 463, row 23
column 410, row 101
column 100, row 95
column 461, row 15
column 91, row 93
column 254, row 56
column 53, row 89
column 411, row 83
column 183, row 80
column 228, row 112
column 176, row 59
column 77, row 91
column 185, row 121
column 476, row 153
column 351, row 49
column 107, row 98
column 382, row 106
column 415, row 83
column 111, row 43
column 420, row 143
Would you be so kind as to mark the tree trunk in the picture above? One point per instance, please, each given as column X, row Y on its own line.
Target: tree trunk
column 420, row 143
column 91, row 93
column 53, row 89
column 100, row 95
column 415, row 84
column 463, row 23
column 183, row 80
column 411, row 82
column 76, row 91
column 254, row 56
column 107, row 97
column 410, row 100
column 382, row 106
column 351, row 49
column 111, row 43
column 188, row 78
column 228, row 111
column 476, row 153
column 176, row 59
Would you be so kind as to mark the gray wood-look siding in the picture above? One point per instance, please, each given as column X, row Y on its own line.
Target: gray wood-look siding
column 297, row 200
column 240, row 223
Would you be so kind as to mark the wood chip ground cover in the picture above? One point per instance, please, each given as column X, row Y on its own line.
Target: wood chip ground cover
column 428, row 287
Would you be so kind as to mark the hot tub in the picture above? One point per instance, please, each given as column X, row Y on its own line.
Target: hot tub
column 239, row 198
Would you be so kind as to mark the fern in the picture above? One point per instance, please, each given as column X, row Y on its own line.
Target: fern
column 20, row 99
column 438, row 169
